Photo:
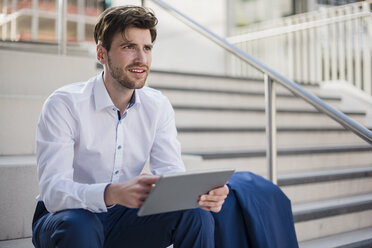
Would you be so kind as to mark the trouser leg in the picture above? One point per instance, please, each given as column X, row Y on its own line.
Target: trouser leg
column 230, row 229
column 184, row 229
column 76, row 228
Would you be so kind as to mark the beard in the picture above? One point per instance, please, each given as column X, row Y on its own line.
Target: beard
column 124, row 77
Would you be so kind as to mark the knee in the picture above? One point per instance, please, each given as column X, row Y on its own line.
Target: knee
column 78, row 220
column 201, row 218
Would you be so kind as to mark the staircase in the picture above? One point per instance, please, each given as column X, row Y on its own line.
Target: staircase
column 325, row 170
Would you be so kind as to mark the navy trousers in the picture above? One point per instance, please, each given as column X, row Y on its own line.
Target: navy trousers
column 256, row 214
column 120, row 227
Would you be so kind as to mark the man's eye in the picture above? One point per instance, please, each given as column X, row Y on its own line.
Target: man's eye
column 128, row 47
column 148, row 48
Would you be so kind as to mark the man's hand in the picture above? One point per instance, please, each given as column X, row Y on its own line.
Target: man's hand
column 132, row 193
column 214, row 199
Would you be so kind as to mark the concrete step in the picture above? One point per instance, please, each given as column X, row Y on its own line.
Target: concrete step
column 361, row 238
column 159, row 79
column 41, row 73
column 19, row 188
column 334, row 216
column 17, row 243
column 325, row 184
column 209, row 139
column 221, row 98
column 18, row 127
column 187, row 115
column 20, row 138
column 290, row 160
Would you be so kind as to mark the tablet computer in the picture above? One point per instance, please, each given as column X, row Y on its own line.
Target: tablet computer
column 182, row 190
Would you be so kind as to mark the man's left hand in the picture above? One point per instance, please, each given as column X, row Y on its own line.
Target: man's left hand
column 214, row 199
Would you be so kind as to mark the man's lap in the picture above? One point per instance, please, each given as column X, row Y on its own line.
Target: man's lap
column 120, row 225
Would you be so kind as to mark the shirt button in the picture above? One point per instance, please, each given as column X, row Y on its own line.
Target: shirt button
column 119, row 147
column 116, row 172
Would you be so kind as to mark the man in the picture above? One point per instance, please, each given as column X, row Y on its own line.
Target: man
column 93, row 140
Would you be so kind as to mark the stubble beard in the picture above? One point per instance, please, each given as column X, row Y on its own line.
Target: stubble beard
column 119, row 74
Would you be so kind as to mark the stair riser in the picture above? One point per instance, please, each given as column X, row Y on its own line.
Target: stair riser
column 230, row 100
column 194, row 82
column 255, row 140
column 18, row 127
column 326, row 190
column 185, row 118
column 332, row 225
column 294, row 163
column 41, row 73
column 18, row 184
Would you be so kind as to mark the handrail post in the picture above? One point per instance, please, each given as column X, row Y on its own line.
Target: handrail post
column 35, row 20
column 270, row 108
column 62, row 27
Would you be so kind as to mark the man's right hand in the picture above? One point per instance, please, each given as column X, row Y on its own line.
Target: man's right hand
column 132, row 193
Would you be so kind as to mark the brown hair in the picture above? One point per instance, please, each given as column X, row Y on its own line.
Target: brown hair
column 117, row 19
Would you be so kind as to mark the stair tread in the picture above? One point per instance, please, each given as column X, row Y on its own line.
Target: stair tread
column 330, row 203
column 281, row 151
column 262, row 129
column 331, row 207
column 16, row 243
column 340, row 240
column 233, row 92
column 17, row 159
column 255, row 109
column 324, row 175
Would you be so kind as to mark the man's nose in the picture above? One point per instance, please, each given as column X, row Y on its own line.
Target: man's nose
column 141, row 56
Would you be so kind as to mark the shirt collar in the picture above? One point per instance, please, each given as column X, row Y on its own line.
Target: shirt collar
column 102, row 98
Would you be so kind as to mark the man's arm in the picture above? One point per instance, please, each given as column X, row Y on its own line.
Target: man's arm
column 55, row 138
column 165, row 156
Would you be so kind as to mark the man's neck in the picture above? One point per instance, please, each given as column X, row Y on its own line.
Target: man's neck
column 119, row 95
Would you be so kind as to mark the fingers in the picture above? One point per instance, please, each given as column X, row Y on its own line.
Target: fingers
column 224, row 190
column 214, row 200
column 147, row 179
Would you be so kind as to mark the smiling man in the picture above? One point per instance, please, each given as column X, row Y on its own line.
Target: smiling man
column 93, row 140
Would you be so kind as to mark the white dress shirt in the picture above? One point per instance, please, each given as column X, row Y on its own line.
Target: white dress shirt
column 82, row 146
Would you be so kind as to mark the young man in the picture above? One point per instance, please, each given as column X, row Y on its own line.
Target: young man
column 93, row 140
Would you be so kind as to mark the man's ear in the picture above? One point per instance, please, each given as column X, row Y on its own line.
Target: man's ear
column 101, row 54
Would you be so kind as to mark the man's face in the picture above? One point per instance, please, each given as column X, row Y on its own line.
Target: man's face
column 129, row 58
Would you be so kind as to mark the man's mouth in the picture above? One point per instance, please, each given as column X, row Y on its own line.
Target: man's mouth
column 137, row 70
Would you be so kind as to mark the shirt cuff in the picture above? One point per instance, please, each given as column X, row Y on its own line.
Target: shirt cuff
column 95, row 197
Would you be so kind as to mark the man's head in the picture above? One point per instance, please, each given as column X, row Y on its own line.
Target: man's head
column 124, row 37
column 116, row 19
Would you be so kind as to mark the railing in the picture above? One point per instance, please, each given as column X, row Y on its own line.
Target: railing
column 330, row 44
column 270, row 77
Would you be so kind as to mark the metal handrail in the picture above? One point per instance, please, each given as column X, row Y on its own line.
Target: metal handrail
column 294, row 28
column 271, row 76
